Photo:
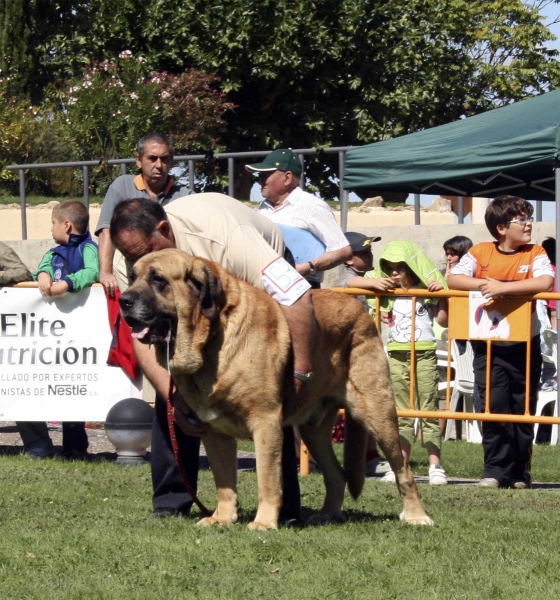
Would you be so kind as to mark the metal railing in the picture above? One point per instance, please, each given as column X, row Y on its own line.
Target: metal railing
column 84, row 165
column 191, row 160
column 231, row 157
column 412, row 412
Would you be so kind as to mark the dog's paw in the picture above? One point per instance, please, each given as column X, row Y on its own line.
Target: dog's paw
column 256, row 526
column 416, row 520
column 213, row 521
column 325, row 519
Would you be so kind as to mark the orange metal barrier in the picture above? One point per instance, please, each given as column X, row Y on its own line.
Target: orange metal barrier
column 458, row 330
column 34, row 284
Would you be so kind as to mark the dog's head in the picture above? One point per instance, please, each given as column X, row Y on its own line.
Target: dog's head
column 173, row 300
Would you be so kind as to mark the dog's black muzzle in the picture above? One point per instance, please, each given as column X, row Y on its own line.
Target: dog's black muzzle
column 147, row 325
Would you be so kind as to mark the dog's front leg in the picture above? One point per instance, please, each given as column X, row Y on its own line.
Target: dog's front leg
column 222, row 454
column 268, row 448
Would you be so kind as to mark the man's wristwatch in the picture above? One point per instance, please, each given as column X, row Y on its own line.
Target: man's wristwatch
column 305, row 377
column 312, row 269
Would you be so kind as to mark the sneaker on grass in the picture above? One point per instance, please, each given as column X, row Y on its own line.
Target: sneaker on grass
column 522, row 484
column 488, row 482
column 389, row 477
column 437, row 475
column 377, row 466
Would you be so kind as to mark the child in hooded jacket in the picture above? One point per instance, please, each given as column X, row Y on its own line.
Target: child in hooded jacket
column 404, row 265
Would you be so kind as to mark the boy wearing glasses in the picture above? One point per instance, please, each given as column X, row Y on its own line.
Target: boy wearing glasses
column 510, row 266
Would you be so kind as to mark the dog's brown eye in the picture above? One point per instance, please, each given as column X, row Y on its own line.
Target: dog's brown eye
column 159, row 281
column 133, row 277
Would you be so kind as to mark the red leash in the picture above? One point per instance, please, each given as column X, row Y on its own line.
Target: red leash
column 175, row 446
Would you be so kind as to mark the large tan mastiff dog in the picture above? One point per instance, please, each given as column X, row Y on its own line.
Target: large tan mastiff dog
column 230, row 357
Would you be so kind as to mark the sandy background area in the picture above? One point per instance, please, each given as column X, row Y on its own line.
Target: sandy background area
column 39, row 220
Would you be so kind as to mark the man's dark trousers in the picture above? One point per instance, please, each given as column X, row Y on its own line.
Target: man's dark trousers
column 168, row 486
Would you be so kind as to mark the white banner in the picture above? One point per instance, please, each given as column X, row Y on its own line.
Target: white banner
column 53, row 357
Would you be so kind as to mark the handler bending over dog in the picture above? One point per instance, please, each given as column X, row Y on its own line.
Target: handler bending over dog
column 223, row 230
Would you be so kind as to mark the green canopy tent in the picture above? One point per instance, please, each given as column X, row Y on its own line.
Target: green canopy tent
column 508, row 150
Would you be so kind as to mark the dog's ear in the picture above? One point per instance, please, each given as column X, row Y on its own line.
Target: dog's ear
column 209, row 289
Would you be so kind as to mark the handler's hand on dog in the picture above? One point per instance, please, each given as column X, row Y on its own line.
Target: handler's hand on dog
column 189, row 423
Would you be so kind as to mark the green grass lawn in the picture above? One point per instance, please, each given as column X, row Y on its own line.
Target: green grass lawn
column 80, row 530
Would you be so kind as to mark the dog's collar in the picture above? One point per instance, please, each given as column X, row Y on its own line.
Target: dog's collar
column 305, row 377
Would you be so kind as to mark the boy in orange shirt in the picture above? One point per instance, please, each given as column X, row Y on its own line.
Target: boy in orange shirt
column 511, row 266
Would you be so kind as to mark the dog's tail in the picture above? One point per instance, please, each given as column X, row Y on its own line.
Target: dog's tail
column 355, row 442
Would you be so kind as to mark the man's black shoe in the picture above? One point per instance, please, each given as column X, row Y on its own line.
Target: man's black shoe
column 165, row 513
column 39, row 453
column 71, row 455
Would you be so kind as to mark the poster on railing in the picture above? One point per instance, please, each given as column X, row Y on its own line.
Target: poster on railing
column 53, row 357
column 485, row 320
column 480, row 318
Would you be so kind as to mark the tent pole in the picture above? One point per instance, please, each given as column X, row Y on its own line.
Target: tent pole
column 417, row 209
column 538, row 215
column 557, row 200
column 344, row 212
column 343, row 198
column 461, row 209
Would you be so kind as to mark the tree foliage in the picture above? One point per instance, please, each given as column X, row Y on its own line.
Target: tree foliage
column 314, row 72
column 15, row 61
column 42, row 41
column 104, row 112
column 18, row 130
column 337, row 72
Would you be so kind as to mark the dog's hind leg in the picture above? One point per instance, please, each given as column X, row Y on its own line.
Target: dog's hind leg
column 319, row 442
column 267, row 435
column 371, row 401
column 222, row 454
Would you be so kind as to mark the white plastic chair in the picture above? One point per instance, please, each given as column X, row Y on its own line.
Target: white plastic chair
column 464, row 386
column 550, row 355
column 442, row 364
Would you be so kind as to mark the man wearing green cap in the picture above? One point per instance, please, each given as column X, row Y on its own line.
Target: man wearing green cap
column 285, row 203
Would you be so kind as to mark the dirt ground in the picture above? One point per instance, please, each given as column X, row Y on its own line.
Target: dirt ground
column 100, row 448
column 99, row 445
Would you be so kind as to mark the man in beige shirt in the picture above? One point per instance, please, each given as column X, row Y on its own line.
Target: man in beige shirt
column 212, row 226
column 221, row 229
